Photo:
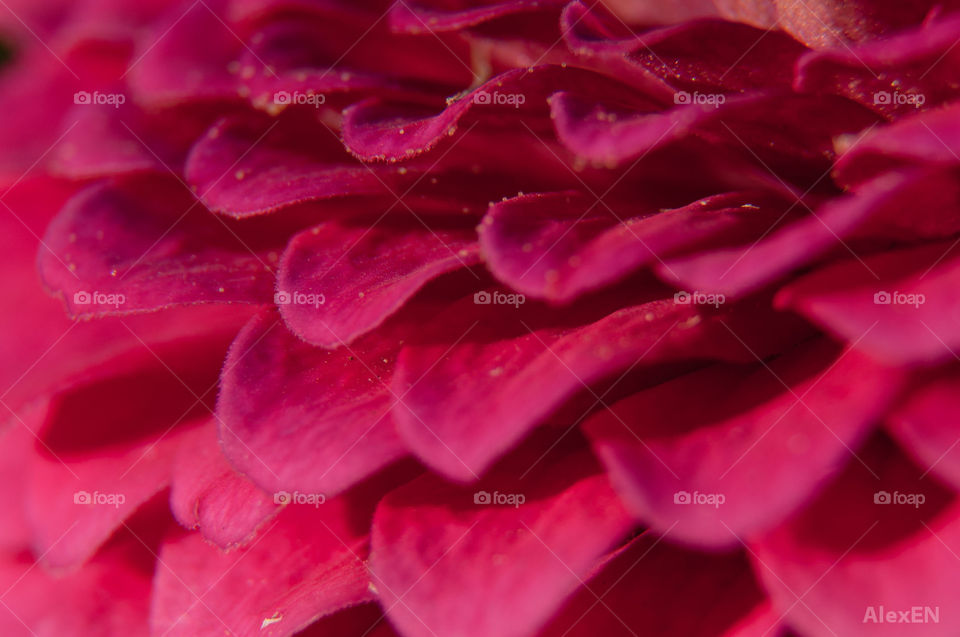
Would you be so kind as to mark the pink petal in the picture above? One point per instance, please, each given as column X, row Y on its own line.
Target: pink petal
column 365, row 619
column 759, row 13
column 560, row 245
column 650, row 585
column 833, row 23
column 928, row 137
column 659, row 12
column 176, row 252
column 925, row 424
column 375, row 130
column 898, row 306
column 803, row 135
column 717, row 56
column 299, row 417
column 527, row 361
column 895, row 75
column 744, row 268
column 762, row 438
column 363, row 274
column 98, row 455
column 439, row 559
column 208, row 494
column 108, row 597
column 849, row 569
column 412, row 18
column 105, row 140
column 248, row 165
column 304, row 565
column 156, row 71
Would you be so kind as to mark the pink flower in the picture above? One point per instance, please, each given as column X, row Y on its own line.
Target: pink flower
column 482, row 319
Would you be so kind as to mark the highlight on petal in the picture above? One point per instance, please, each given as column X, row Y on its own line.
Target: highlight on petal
column 833, row 23
column 756, row 444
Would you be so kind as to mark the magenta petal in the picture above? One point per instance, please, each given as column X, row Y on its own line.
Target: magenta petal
column 305, row 564
column 362, row 274
column 294, row 416
column 115, row 249
column 411, row 18
column 206, row 493
column 246, row 165
column 862, row 550
column 439, row 552
column 99, row 456
column 804, row 134
column 725, row 444
column 738, row 270
column 560, row 245
column 759, row 13
column 833, row 23
column 377, row 130
column 717, row 56
column 593, row 132
column 652, row 584
column 106, row 140
column 107, row 597
column 928, row 137
column 85, row 500
column 526, row 362
column 895, row 76
column 156, row 71
column 899, row 306
column 926, row 426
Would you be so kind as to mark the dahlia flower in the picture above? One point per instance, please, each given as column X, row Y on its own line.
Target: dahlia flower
column 508, row 318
